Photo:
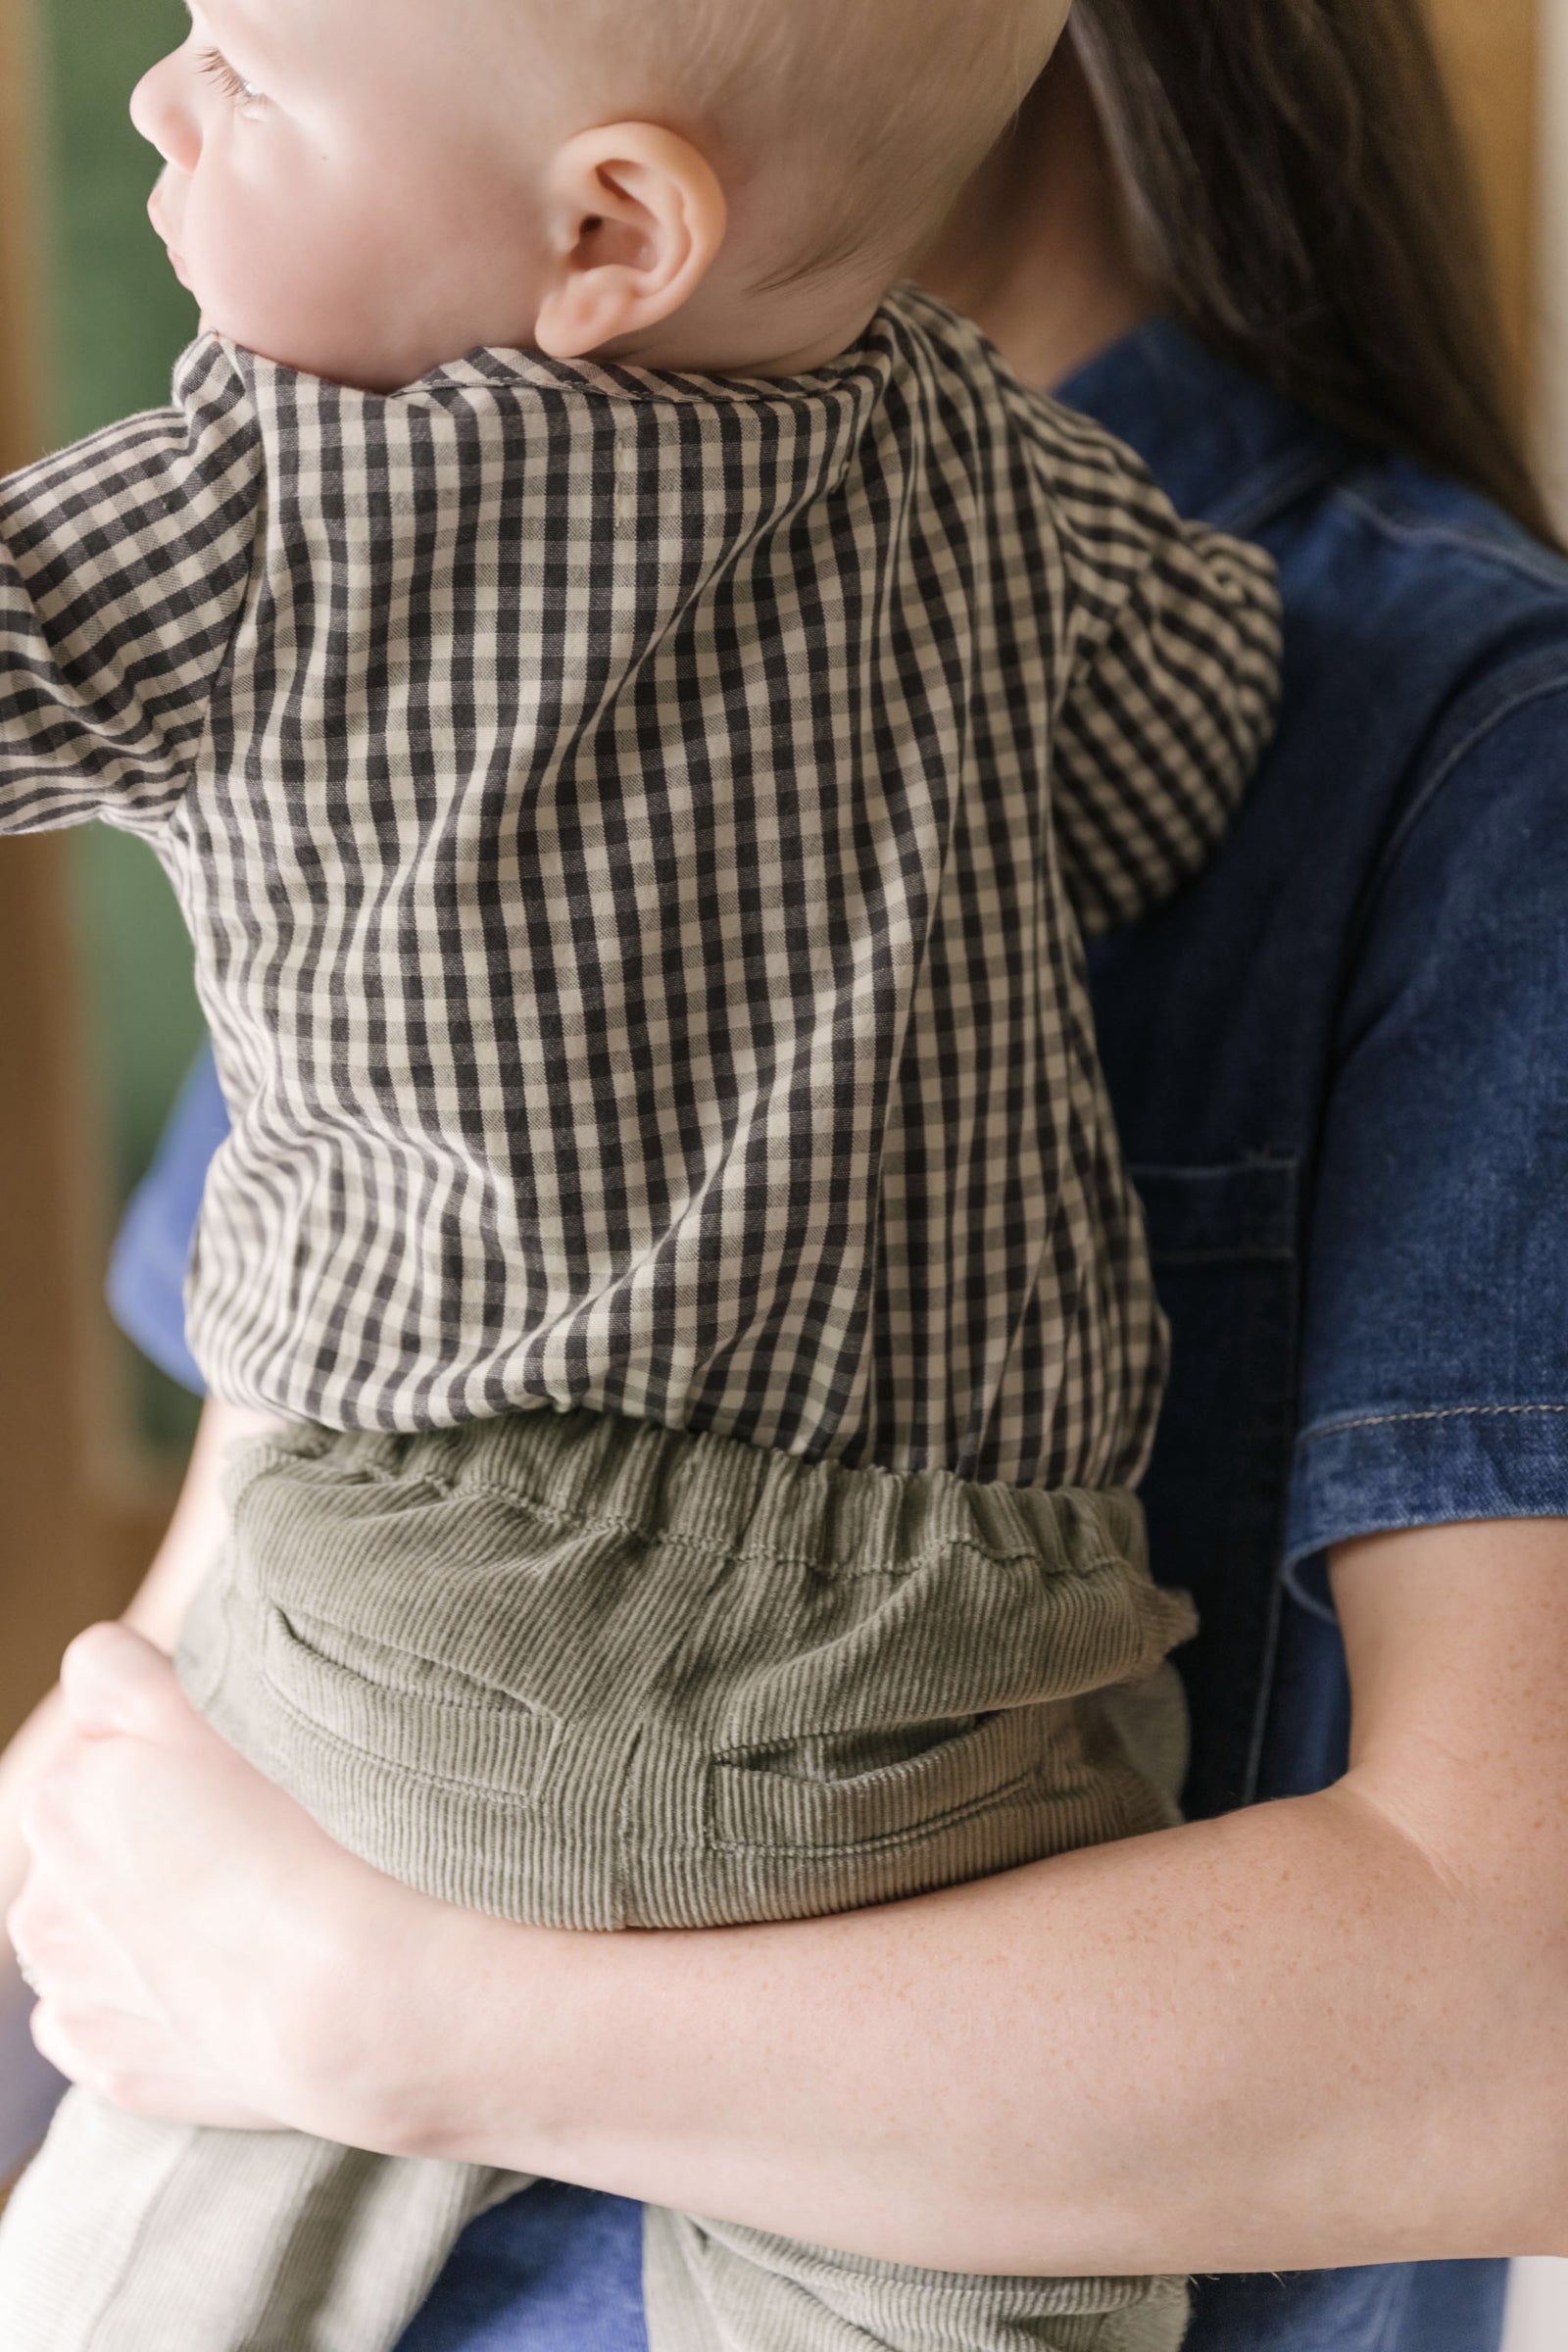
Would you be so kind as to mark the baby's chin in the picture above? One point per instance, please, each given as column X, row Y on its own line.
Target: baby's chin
column 350, row 372
column 330, row 367
column 306, row 346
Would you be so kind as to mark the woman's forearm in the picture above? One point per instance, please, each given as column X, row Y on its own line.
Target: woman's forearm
column 1324, row 2033
column 1234, row 2047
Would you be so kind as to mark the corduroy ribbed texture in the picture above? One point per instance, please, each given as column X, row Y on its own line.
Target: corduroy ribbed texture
column 711, row 2287
column 596, row 1674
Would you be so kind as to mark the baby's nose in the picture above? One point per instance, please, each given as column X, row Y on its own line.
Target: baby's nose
column 161, row 110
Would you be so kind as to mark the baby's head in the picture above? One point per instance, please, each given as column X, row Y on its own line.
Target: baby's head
column 364, row 188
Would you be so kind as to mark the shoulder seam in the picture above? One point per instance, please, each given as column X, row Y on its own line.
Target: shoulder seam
column 219, row 351
column 1546, row 569
column 1533, row 681
column 1265, row 498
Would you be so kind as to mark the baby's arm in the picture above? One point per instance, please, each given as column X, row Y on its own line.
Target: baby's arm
column 124, row 567
column 1173, row 689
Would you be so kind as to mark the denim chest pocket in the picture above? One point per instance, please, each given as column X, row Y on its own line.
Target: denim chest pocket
column 1243, row 1213
column 1226, row 1248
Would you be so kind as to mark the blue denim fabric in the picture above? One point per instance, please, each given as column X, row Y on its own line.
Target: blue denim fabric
column 557, row 2270
column 560, row 2270
column 1338, row 1066
column 1440, row 2306
column 152, row 1250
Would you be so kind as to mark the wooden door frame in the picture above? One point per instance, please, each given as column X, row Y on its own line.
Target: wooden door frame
column 1493, row 51
column 43, row 1557
column 76, row 1530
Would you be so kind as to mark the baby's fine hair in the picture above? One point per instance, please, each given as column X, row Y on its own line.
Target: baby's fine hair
column 886, row 105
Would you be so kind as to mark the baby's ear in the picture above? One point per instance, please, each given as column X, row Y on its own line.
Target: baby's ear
column 637, row 219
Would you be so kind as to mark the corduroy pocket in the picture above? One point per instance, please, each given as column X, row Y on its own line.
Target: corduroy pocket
column 417, row 1714
column 868, row 1788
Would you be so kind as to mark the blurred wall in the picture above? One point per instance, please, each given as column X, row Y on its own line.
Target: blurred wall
column 1552, row 348
column 118, row 320
column 90, row 322
column 47, row 1552
column 1491, row 48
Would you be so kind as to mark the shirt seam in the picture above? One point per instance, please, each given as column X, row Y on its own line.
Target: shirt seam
column 1542, row 684
column 261, row 508
column 1270, row 492
column 1453, row 1412
column 1544, row 569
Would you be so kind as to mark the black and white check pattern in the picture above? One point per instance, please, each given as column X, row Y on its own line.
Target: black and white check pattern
column 630, row 827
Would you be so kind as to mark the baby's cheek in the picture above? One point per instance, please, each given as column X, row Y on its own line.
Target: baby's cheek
column 329, row 269
column 274, row 280
column 230, row 266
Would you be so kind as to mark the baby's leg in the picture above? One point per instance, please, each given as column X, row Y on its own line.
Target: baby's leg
column 131, row 2235
column 711, row 2287
column 596, row 1675
column 955, row 1773
column 128, row 2236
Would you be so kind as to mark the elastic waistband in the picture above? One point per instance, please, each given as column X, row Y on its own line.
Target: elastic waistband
column 719, row 1492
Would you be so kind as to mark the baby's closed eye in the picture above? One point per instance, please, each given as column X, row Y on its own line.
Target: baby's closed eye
column 215, row 66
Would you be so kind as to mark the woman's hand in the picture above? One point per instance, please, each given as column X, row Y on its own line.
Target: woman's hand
column 28, row 2088
column 184, row 1919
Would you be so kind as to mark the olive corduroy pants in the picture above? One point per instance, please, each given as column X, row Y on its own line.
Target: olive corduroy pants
column 593, row 1674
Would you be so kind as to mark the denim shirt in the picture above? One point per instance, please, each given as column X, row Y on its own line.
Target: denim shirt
column 1339, row 1069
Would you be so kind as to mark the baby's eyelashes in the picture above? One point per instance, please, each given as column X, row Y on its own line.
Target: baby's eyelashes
column 215, row 66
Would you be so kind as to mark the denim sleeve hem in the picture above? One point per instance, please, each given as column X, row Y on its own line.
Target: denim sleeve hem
column 1378, row 1473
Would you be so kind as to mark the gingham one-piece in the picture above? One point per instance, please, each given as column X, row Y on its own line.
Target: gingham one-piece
column 637, row 831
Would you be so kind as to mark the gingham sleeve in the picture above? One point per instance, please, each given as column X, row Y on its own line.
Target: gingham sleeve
column 1174, row 686
column 124, row 565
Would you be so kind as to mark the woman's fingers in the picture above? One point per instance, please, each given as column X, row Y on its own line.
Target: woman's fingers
column 136, row 2064
column 55, row 1940
column 175, row 1888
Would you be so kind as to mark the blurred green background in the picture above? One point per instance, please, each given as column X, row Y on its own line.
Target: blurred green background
column 119, row 319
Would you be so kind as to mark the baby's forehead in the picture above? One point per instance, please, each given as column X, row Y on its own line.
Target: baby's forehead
column 248, row 15
column 265, row 23
column 378, row 30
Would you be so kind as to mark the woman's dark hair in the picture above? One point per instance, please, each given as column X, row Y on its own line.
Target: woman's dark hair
column 1304, row 208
